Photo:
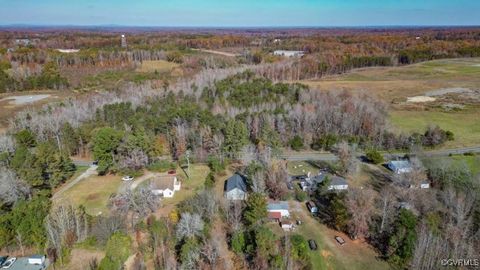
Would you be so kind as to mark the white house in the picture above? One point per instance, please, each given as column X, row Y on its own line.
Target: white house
column 400, row 166
column 287, row 53
column 278, row 207
column 236, row 187
column 165, row 186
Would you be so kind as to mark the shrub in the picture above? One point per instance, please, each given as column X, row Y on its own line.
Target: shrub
column 117, row 251
column 296, row 143
column 450, row 135
column 210, row 180
column 216, row 165
column 374, row 156
column 238, row 242
column 161, row 166
column 300, row 195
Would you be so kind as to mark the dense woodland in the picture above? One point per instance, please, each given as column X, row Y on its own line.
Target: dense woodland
column 241, row 115
column 37, row 64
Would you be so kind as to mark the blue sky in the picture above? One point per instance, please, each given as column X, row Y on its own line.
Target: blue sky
column 241, row 12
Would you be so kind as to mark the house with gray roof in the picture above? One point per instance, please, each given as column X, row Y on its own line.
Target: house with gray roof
column 236, row 187
column 336, row 182
column 280, row 207
column 400, row 166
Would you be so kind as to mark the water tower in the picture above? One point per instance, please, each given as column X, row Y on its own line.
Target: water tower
column 124, row 41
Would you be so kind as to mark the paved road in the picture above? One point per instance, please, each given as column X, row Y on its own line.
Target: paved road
column 301, row 156
column 89, row 172
column 82, row 162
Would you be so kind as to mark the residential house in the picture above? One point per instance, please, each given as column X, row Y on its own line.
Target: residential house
column 400, row 166
column 275, row 216
column 275, row 208
column 236, row 187
column 165, row 185
column 336, row 182
column 287, row 53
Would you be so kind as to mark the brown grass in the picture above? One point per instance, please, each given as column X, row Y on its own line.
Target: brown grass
column 160, row 66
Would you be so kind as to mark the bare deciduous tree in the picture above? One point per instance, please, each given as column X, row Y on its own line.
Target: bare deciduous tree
column 190, row 225
column 65, row 225
column 12, row 189
column 347, row 158
column 360, row 205
column 104, row 227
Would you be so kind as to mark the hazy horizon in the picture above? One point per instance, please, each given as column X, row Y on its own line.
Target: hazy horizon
column 248, row 13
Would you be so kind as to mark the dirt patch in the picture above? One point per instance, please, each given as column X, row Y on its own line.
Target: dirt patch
column 444, row 91
column 23, row 100
column 325, row 253
column 420, row 99
column 93, row 196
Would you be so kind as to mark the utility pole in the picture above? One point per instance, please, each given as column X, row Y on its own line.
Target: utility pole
column 187, row 155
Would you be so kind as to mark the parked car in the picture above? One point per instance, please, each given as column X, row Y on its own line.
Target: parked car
column 127, row 178
column 340, row 240
column 312, row 244
column 8, row 263
column 3, row 259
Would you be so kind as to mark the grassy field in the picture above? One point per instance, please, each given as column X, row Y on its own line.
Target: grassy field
column 397, row 83
column 93, row 193
column 159, row 66
column 330, row 255
column 301, row 167
column 464, row 124
column 473, row 162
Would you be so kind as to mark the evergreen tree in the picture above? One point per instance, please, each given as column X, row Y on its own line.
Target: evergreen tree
column 402, row 240
column 256, row 208
column 236, row 136
column 105, row 144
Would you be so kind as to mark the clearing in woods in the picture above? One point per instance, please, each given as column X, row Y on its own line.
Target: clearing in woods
column 160, row 66
column 441, row 78
column 93, row 193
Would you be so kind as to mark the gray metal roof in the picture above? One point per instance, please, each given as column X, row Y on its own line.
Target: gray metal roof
column 337, row 181
column 277, row 206
column 236, row 181
column 400, row 164
column 334, row 180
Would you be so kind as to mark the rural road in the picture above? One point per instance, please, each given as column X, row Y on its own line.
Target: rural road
column 89, row 172
column 217, row 52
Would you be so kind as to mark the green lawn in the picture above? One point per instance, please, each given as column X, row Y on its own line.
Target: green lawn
column 472, row 162
column 198, row 174
column 301, row 167
column 93, row 193
column 464, row 124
